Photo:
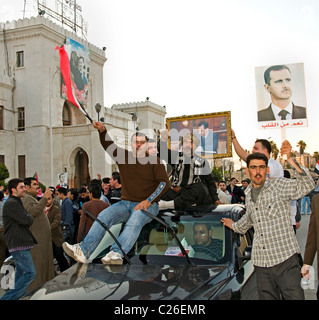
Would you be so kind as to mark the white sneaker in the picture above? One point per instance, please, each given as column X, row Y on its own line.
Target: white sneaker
column 163, row 205
column 74, row 251
column 112, row 258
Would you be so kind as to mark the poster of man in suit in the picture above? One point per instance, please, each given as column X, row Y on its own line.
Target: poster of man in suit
column 281, row 96
column 79, row 57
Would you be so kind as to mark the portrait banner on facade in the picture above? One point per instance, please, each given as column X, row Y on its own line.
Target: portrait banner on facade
column 79, row 58
column 74, row 83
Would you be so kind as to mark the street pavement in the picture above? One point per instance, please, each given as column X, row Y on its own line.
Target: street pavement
column 310, row 293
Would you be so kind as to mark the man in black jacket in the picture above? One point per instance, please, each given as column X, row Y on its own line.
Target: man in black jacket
column 192, row 182
column 19, row 239
column 236, row 191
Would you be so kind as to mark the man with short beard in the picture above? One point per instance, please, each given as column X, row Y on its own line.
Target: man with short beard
column 192, row 181
column 143, row 182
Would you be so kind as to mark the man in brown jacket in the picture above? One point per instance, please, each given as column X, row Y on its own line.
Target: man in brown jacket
column 94, row 206
column 312, row 245
column 54, row 216
column 144, row 180
column 42, row 253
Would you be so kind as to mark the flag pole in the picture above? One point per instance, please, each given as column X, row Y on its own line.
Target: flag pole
column 283, row 138
column 85, row 113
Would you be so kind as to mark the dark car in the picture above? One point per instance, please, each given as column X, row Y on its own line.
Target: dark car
column 166, row 263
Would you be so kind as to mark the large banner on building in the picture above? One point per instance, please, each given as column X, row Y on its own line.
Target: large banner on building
column 80, row 68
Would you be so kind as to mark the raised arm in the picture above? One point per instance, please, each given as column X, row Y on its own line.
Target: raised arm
column 117, row 153
column 242, row 154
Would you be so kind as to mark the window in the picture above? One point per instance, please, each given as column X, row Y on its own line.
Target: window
column 1, row 117
column 2, row 158
column 66, row 115
column 21, row 167
column 21, row 119
column 20, row 59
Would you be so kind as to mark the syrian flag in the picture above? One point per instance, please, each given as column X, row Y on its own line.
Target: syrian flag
column 35, row 176
column 66, row 74
column 317, row 168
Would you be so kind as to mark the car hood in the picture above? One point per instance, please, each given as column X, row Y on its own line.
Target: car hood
column 143, row 282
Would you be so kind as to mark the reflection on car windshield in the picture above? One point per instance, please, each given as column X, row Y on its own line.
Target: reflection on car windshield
column 202, row 238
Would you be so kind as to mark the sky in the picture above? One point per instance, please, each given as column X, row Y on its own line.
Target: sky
column 200, row 56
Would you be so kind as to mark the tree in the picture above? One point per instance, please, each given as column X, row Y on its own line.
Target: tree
column 4, row 173
column 274, row 149
column 217, row 172
column 302, row 146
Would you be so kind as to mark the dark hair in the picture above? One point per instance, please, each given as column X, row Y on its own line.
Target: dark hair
column 286, row 174
column 203, row 123
column 265, row 143
column 273, row 68
column 256, row 156
column 95, row 181
column 1, row 195
column 207, row 224
column 74, row 193
column 27, row 181
column 63, row 191
column 151, row 140
column 82, row 190
column 139, row 134
column 12, row 184
column 95, row 190
column 222, row 181
column 106, row 180
column 116, row 176
column 215, row 179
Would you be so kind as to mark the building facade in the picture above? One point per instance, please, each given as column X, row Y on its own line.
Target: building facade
column 40, row 131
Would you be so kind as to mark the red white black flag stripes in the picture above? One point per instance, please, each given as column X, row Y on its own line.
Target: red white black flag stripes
column 66, row 74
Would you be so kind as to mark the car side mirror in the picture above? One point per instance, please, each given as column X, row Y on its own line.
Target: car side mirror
column 245, row 256
column 247, row 253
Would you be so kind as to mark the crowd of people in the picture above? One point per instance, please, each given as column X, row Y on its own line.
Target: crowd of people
column 54, row 216
column 36, row 227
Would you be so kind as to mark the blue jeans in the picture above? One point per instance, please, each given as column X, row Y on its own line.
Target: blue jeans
column 24, row 275
column 122, row 211
column 305, row 201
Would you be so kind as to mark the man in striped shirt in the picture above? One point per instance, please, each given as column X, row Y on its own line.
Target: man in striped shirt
column 275, row 247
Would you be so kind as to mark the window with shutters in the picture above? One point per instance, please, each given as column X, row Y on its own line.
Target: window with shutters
column 1, row 118
column 21, row 119
column 20, row 59
column 21, row 166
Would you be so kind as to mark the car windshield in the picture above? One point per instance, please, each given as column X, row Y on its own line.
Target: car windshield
column 203, row 238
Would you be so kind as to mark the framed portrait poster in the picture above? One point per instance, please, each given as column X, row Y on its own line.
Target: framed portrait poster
column 211, row 129
column 281, row 96
column 63, row 179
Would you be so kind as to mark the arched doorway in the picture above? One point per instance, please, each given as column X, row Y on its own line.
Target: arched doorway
column 81, row 168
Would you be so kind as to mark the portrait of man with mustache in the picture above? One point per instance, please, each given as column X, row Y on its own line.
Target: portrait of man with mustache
column 278, row 83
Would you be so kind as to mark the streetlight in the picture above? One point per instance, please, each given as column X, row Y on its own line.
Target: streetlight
column 50, row 121
column 98, row 108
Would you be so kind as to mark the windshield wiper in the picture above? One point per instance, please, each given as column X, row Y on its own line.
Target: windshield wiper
column 109, row 231
column 171, row 231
